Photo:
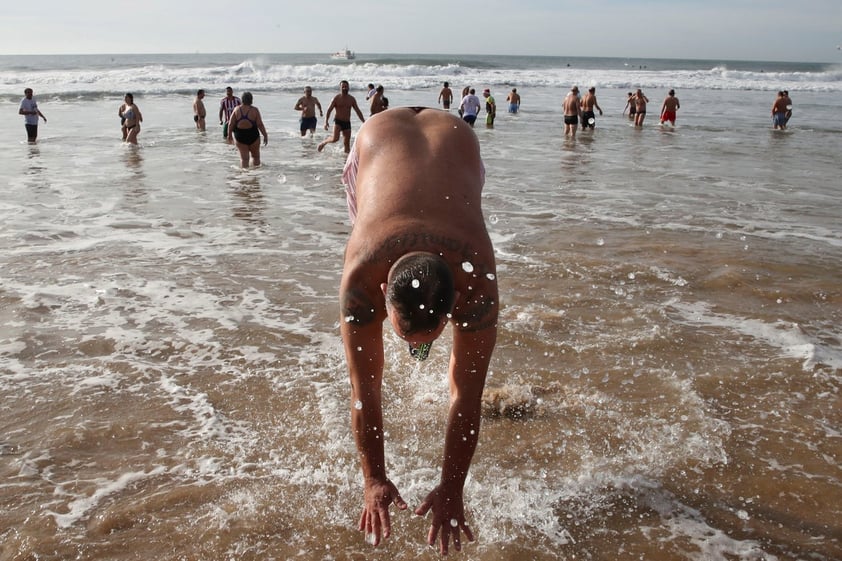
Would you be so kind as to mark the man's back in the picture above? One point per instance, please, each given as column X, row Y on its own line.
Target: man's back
column 470, row 104
column 427, row 170
column 670, row 103
column 571, row 105
column 418, row 188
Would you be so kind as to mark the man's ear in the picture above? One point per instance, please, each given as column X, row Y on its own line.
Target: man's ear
column 383, row 287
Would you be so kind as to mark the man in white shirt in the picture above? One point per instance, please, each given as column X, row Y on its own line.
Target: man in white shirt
column 470, row 107
column 29, row 110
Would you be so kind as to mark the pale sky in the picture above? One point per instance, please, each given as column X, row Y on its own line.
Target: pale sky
column 781, row 30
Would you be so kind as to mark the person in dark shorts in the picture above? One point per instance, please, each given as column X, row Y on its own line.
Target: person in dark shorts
column 470, row 107
column 446, row 96
column 199, row 111
column 343, row 103
column 226, row 108
column 571, row 107
column 307, row 104
column 588, row 105
column 29, row 110
column 640, row 101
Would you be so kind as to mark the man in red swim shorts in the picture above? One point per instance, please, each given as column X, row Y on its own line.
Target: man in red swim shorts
column 669, row 108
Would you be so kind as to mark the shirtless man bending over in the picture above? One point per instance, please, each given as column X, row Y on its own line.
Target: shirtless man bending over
column 418, row 254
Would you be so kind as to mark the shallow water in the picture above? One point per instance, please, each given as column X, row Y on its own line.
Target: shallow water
column 173, row 383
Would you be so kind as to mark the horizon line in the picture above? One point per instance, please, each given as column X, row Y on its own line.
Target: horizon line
column 440, row 54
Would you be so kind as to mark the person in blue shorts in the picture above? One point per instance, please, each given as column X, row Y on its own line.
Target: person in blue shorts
column 779, row 109
column 514, row 101
column 307, row 105
column 470, row 106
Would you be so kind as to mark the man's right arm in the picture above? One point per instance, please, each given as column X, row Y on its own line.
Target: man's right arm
column 362, row 337
column 329, row 111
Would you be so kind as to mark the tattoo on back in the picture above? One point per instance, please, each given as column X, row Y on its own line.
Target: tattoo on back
column 399, row 245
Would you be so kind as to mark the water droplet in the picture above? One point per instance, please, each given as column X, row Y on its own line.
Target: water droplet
column 416, row 283
column 493, row 219
column 490, row 276
column 631, row 276
column 359, row 348
column 600, row 242
column 421, row 307
column 468, row 267
column 454, row 522
column 358, row 405
column 349, row 319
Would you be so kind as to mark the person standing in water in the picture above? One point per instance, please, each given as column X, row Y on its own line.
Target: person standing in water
column 29, row 110
column 588, row 104
column 788, row 107
column 226, row 107
column 343, row 103
column 571, row 107
column 199, row 112
column 446, row 97
column 779, row 110
column 130, row 117
column 630, row 106
column 246, row 126
column 640, row 102
column 469, row 107
column 490, row 108
column 307, row 105
column 669, row 108
column 513, row 100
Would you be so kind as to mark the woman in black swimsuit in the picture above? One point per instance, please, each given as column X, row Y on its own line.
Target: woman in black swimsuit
column 246, row 126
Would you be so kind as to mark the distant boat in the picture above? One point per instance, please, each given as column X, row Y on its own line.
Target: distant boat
column 343, row 55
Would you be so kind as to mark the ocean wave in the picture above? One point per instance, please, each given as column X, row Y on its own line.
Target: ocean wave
column 266, row 73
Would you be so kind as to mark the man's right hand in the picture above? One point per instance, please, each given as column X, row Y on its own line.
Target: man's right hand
column 374, row 521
